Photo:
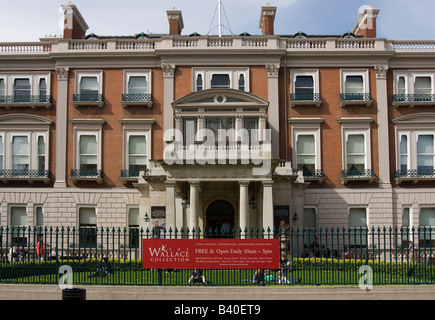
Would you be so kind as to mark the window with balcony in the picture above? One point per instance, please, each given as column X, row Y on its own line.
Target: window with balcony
column 137, row 148
column 425, row 153
column 137, row 88
column 23, row 148
column 415, row 148
column 87, row 150
column 305, row 88
column 355, row 88
column 25, row 90
column 356, row 150
column 414, row 88
column 221, row 78
column 306, row 143
column 89, row 89
column 22, row 90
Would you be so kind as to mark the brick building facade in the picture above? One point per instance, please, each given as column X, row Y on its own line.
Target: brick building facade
column 345, row 122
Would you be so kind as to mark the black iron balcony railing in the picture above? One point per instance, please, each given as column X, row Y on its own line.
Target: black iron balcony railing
column 127, row 173
column 136, row 97
column 25, row 174
column 87, row 175
column 25, row 99
column 355, row 97
column 413, row 97
column 305, row 97
column 417, row 173
column 310, row 174
column 88, row 98
column 358, row 173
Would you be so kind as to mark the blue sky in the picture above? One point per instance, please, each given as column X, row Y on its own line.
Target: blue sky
column 29, row 20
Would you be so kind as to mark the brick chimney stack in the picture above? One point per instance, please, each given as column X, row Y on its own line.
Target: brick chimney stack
column 267, row 19
column 366, row 24
column 74, row 25
column 176, row 23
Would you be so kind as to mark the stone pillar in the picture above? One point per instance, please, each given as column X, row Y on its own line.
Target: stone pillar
column 178, row 212
column 273, row 97
column 267, row 205
column 383, row 138
column 61, row 126
column 170, row 205
column 194, row 206
column 168, row 97
column 244, row 206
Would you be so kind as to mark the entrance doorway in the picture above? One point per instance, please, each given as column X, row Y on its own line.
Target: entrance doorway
column 220, row 217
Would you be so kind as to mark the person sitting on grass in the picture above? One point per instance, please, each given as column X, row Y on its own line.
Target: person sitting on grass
column 197, row 277
column 103, row 270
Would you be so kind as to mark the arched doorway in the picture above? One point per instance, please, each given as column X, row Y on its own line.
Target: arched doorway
column 220, row 216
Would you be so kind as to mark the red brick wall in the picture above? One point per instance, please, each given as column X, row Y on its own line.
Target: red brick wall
column 331, row 111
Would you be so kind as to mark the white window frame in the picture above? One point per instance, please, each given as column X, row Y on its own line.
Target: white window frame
column 141, row 127
column 234, row 74
column 356, row 126
column 419, row 75
column 400, row 134
column 34, row 78
column 307, row 126
column 396, row 82
column 412, row 135
column 32, row 138
column 424, row 133
column 35, row 214
column 87, row 127
column 32, row 127
column 137, row 73
column 10, row 206
column 78, row 154
column 301, row 72
column 83, row 74
column 356, row 72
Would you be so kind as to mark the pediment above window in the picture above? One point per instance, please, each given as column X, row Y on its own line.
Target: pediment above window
column 220, row 98
column 24, row 120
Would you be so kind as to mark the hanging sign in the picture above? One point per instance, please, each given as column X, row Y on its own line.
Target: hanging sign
column 210, row 253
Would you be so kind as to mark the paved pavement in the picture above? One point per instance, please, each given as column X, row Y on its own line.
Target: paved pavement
column 53, row 292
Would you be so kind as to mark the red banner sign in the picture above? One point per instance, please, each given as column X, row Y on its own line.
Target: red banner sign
column 210, row 253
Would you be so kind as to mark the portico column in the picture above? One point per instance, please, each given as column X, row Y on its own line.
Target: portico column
column 267, row 205
column 194, row 205
column 244, row 206
column 170, row 205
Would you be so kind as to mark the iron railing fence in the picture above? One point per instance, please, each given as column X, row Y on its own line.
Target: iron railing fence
column 316, row 256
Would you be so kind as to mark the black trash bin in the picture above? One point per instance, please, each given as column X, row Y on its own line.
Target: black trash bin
column 74, row 294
